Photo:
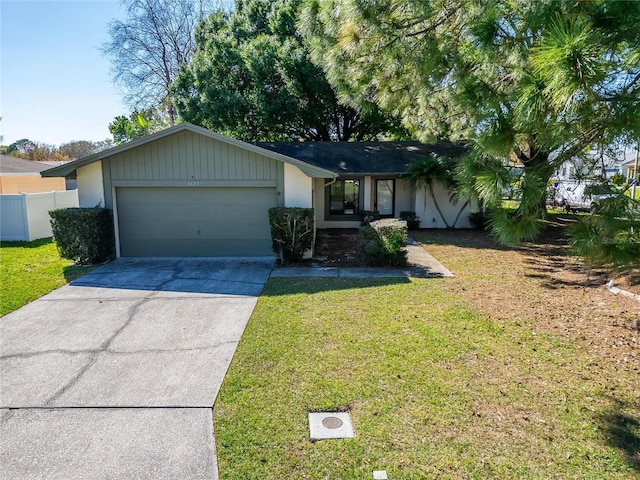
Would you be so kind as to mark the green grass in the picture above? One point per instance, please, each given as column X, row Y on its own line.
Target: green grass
column 434, row 388
column 29, row 270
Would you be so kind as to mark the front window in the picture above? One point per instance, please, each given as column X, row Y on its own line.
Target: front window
column 344, row 197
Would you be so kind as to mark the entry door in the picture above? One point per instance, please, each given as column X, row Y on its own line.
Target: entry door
column 385, row 197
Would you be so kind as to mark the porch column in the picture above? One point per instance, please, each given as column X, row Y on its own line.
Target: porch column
column 367, row 191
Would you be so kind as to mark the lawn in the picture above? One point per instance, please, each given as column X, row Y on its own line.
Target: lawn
column 519, row 367
column 29, row 270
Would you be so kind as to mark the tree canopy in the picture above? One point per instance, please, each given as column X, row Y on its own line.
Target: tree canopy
column 43, row 152
column 148, row 48
column 252, row 78
column 529, row 83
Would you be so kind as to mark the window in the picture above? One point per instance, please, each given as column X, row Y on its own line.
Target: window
column 344, row 198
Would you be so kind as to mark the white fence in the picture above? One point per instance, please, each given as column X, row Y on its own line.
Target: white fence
column 26, row 216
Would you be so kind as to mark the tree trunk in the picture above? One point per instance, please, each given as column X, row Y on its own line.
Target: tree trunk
column 459, row 213
column 435, row 202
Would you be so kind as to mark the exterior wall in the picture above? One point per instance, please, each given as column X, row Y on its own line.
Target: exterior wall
column 369, row 194
column 90, row 185
column 26, row 216
column 297, row 188
column 187, row 159
column 404, row 198
column 29, row 183
column 429, row 216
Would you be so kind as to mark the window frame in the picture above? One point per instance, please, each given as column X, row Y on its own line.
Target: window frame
column 393, row 195
column 344, row 217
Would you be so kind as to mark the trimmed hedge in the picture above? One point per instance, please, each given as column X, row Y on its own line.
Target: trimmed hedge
column 292, row 232
column 383, row 242
column 84, row 235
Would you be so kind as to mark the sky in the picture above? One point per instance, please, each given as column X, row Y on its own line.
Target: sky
column 55, row 84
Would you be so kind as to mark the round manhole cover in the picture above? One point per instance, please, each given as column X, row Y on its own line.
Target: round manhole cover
column 331, row 422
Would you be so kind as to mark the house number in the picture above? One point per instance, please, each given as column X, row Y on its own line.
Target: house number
column 193, row 184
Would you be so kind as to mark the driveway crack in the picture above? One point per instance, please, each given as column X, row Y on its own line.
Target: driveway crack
column 105, row 345
column 45, row 352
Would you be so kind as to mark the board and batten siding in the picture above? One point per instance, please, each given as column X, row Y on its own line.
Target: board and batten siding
column 187, row 159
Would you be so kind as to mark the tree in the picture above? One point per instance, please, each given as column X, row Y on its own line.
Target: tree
column 138, row 124
column 83, row 148
column 610, row 236
column 432, row 170
column 251, row 78
column 530, row 83
column 148, row 48
column 35, row 151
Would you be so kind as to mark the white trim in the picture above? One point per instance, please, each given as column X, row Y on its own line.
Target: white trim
column 116, row 229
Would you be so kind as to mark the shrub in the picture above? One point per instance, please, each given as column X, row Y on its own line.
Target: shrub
column 413, row 221
column 292, row 232
column 383, row 242
column 84, row 235
column 478, row 220
column 368, row 216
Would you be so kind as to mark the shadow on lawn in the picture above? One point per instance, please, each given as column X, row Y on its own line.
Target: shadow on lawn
column 623, row 432
column 463, row 238
column 25, row 244
column 306, row 285
column 73, row 272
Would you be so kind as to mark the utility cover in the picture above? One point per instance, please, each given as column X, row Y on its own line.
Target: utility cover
column 326, row 425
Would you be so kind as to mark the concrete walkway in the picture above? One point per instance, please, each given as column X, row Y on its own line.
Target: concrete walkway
column 421, row 264
column 115, row 375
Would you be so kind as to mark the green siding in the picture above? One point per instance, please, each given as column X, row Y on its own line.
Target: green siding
column 187, row 156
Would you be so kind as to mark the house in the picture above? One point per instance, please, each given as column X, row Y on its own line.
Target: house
column 629, row 170
column 187, row 191
column 18, row 175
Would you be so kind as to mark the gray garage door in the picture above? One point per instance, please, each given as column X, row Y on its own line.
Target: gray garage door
column 164, row 222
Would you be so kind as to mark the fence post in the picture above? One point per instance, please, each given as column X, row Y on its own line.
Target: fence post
column 25, row 215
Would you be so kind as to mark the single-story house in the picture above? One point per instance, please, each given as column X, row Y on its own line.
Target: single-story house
column 18, row 175
column 187, row 191
column 629, row 170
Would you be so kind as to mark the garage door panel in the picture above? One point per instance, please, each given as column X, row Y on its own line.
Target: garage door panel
column 201, row 231
column 197, row 213
column 159, row 221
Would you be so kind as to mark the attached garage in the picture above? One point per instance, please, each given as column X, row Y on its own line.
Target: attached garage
column 202, row 222
column 187, row 191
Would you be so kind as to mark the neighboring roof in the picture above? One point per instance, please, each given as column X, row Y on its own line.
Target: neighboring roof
column 9, row 164
column 363, row 157
column 69, row 168
column 630, row 163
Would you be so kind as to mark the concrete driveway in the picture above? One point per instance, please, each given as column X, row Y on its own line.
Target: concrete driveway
column 115, row 375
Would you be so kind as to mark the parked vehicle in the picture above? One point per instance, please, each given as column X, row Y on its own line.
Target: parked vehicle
column 572, row 195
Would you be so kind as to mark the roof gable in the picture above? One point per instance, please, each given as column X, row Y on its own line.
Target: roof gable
column 69, row 168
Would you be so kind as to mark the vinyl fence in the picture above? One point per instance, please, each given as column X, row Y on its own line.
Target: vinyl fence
column 26, row 216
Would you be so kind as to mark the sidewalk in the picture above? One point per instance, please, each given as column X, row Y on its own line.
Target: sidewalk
column 421, row 264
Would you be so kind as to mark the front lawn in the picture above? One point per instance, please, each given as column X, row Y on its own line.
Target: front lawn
column 29, row 270
column 519, row 367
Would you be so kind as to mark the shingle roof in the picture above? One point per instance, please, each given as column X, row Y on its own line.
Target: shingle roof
column 10, row 164
column 363, row 157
